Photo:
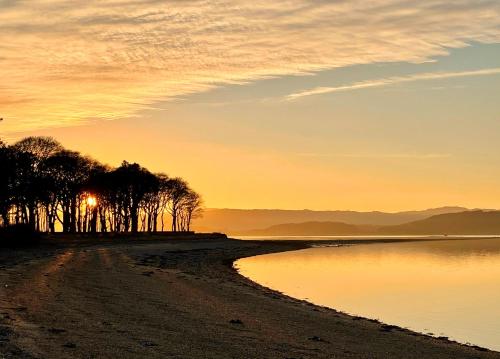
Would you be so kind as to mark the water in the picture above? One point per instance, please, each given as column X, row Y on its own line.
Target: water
column 329, row 238
column 447, row 288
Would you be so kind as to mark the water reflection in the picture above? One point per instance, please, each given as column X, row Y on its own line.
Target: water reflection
column 449, row 288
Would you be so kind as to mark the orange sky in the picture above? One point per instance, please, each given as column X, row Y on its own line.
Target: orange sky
column 286, row 104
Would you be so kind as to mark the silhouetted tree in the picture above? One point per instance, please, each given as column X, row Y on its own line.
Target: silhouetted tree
column 69, row 170
column 43, row 184
column 190, row 208
column 132, row 183
column 7, row 176
column 177, row 190
column 96, row 187
column 40, row 147
column 31, row 183
column 154, row 204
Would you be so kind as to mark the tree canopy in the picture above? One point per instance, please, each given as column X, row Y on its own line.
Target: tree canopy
column 50, row 188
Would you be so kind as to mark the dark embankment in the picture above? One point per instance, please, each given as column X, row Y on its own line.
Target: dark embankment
column 178, row 298
column 20, row 235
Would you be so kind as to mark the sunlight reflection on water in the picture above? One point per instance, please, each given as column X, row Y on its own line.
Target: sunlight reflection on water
column 449, row 288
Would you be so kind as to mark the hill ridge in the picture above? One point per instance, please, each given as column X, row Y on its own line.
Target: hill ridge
column 232, row 221
column 474, row 222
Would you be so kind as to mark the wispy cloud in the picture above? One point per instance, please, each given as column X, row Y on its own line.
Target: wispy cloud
column 391, row 81
column 64, row 62
column 416, row 156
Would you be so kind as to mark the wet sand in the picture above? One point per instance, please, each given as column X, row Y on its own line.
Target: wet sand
column 178, row 298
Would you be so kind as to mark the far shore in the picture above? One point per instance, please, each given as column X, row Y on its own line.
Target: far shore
column 162, row 296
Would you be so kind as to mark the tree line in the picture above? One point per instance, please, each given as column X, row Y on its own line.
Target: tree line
column 49, row 188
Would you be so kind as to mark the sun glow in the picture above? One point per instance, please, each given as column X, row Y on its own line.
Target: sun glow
column 91, row 201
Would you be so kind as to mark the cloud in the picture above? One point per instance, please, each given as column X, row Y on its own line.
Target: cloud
column 392, row 81
column 67, row 62
column 415, row 156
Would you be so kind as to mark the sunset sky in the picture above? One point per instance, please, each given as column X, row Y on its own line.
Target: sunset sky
column 363, row 105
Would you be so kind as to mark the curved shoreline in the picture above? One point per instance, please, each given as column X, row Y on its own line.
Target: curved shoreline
column 268, row 247
column 361, row 242
column 181, row 298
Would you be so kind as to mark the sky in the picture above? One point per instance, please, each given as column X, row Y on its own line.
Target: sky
column 381, row 105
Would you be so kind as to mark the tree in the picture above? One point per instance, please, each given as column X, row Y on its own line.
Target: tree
column 70, row 171
column 30, row 188
column 177, row 189
column 40, row 147
column 190, row 208
column 7, row 177
column 154, row 203
column 132, row 183
column 41, row 184
column 97, row 187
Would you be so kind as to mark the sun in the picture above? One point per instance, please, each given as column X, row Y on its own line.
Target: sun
column 91, row 201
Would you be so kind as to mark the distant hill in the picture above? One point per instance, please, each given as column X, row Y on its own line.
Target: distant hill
column 472, row 222
column 235, row 221
column 463, row 223
column 313, row 229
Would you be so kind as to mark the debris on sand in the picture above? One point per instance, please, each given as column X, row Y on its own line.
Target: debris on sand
column 315, row 338
column 147, row 343
column 56, row 330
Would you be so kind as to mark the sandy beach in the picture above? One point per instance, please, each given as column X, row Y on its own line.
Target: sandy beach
column 178, row 298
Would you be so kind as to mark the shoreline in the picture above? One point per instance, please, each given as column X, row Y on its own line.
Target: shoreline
column 353, row 242
column 207, row 309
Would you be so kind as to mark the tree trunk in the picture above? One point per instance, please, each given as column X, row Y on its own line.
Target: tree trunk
column 5, row 218
column 189, row 216
column 174, row 221
column 102, row 216
column 134, row 218
column 66, row 219
column 93, row 220
column 31, row 217
column 72, row 223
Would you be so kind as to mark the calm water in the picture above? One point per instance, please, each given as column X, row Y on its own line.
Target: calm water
column 327, row 238
column 449, row 288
